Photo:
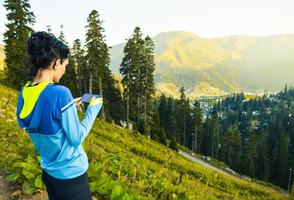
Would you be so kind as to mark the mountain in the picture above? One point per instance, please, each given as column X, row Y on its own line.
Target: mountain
column 265, row 62
column 123, row 165
column 219, row 66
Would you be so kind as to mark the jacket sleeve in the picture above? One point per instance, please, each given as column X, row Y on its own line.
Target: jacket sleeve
column 77, row 131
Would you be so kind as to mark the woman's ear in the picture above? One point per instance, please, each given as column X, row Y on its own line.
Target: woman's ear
column 54, row 64
column 59, row 61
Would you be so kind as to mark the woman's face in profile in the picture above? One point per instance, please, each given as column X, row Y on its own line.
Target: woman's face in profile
column 59, row 69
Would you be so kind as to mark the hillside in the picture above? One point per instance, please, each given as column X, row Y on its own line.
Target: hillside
column 123, row 165
column 221, row 65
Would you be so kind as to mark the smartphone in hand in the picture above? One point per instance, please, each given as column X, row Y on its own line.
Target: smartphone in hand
column 87, row 97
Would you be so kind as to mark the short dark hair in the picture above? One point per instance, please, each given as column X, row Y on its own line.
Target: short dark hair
column 43, row 48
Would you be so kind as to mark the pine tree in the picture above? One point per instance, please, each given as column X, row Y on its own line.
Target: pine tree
column 61, row 35
column 126, row 70
column 262, row 171
column 69, row 79
column 113, row 107
column 147, row 81
column 162, row 136
column 291, row 137
column 129, row 69
column 197, row 117
column 181, row 117
column 79, row 62
column 137, row 70
column 205, row 147
column 173, row 144
column 189, row 130
column 280, row 167
column 155, row 126
column 251, row 156
column 214, row 135
column 20, row 18
column 170, row 118
column 97, row 54
column 139, row 61
column 231, row 148
column 162, row 108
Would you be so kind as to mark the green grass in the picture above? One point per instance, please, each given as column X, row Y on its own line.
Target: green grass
column 123, row 165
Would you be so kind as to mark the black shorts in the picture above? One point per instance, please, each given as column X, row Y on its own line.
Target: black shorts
column 67, row 189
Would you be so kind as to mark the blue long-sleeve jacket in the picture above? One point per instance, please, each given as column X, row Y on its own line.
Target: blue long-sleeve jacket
column 49, row 115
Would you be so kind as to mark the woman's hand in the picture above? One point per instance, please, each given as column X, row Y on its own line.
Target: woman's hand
column 78, row 101
column 95, row 101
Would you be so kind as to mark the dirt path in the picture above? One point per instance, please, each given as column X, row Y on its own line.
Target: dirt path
column 4, row 189
column 203, row 163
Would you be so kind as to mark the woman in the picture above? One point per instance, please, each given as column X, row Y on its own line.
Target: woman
column 48, row 113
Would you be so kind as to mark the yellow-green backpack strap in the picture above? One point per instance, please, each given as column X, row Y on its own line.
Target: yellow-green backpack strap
column 30, row 96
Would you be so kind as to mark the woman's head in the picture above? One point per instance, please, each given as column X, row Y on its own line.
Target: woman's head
column 47, row 54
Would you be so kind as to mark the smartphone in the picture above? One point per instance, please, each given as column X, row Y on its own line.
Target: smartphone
column 87, row 97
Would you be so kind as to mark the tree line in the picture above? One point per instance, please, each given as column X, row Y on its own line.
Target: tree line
column 88, row 69
column 253, row 136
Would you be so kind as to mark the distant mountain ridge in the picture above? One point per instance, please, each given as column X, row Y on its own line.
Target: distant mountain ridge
column 220, row 65
column 209, row 67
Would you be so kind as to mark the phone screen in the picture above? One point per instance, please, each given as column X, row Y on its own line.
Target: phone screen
column 87, row 97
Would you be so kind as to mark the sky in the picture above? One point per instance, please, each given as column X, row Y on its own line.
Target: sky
column 206, row 18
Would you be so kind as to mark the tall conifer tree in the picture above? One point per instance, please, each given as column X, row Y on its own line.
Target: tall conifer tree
column 97, row 54
column 20, row 19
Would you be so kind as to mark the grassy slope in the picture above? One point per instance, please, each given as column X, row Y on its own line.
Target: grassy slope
column 124, row 165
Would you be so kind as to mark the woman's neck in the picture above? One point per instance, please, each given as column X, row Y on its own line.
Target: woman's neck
column 42, row 76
